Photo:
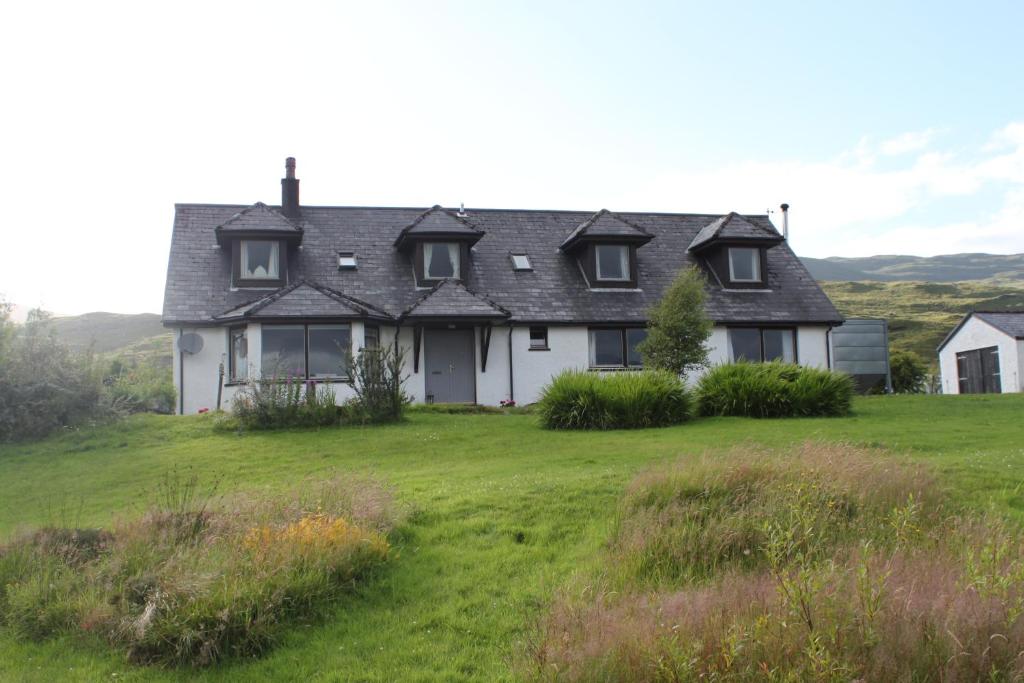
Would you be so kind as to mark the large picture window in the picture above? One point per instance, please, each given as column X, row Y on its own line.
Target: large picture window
column 612, row 262
column 616, row 347
column 260, row 260
column 763, row 344
column 744, row 264
column 306, row 351
column 441, row 260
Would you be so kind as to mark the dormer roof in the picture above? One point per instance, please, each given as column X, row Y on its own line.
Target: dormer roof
column 305, row 300
column 438, row 223
column 605, row 226
column 258, row 221
column 733, row 227
column 451, row 299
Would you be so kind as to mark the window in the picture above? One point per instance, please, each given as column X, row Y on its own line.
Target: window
column 763, row 344
column 521, row 262
column 305, row 351
column 260, row 260
column 346, row 260
column 616, row 348
column 538, row 339
column 440, row 260
column 238, row 355
column 978, row 371
column 744, row 264
column 612, row 262
column 371, row 337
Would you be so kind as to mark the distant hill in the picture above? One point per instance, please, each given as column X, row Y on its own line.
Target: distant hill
column 948, row 268
column 106, row 332
column 921, row 314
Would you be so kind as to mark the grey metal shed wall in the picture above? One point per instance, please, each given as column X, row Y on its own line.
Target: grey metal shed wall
column 860, row 347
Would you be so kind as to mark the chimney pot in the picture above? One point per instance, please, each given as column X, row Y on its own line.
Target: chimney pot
column 290, row 190
column 785, row 221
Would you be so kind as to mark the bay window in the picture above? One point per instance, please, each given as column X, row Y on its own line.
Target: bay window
column 306, row 351
column 759, row 344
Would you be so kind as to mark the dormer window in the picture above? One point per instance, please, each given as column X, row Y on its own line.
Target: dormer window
column 259, row 263
column 441, row 261
column 745, row 264
column 612, row 262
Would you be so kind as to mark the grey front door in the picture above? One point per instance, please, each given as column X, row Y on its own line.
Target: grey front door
column 450, row 366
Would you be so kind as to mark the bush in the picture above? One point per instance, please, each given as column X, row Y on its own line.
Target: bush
column 577, row 399
column 43, row 385
column 275, row 404
column 909, row 372
column 193, row 581
column 141, row 387
column 774, row 390
column 377, row 381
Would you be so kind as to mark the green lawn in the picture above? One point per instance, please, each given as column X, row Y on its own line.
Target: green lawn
column 463, row 593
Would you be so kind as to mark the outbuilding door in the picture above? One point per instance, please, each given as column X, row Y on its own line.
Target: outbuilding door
column 450, row 365
column 978, row 371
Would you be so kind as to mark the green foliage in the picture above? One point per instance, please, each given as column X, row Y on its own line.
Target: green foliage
column 909, row 372
column 191, row 583
column 377, row 382
column 44, row 386
column 679, row 327
column 577, row 399
column 276, row 404
column 774, row 390
column 138, row 387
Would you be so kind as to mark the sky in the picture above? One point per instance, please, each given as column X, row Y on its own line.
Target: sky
column 890, row 128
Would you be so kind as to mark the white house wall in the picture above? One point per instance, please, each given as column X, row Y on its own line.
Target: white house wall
column 568, row 348
column 978, row 334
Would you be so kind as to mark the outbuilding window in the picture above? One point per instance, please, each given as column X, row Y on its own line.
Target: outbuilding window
column 763, row 344
column 616, row 347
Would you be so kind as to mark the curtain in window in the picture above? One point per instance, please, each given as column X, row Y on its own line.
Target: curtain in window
column 442, row 260
column 260, row 260
column 612, row 262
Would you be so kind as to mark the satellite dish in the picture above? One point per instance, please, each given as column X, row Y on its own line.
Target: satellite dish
column 190, row 343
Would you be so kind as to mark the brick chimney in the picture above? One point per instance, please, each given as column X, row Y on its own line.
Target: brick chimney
column 290, row 190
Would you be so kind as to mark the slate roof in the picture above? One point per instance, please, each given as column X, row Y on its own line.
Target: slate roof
column 437, row 221
column 199, row 271
column 733, row 226
column 450, row 299
column 258, row 218
column 1008, row 322
column 604, row 224
column 304, row 299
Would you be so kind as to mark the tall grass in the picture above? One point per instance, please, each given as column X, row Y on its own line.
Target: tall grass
column 828, row 564
column 578, row 399
column 774, row 390
column 196, row 580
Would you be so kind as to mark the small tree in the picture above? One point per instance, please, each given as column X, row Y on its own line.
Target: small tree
column 909, row 372
column 377, row 382
column 679, row 327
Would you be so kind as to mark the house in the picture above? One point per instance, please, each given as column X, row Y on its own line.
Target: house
column 488, row 304
column 984, row 354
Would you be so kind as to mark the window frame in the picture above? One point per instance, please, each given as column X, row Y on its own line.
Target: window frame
column 627, row 262
column 233, row 376
column 376, row 336
column 756, row 253
column 543, row 346
column 237, row 280
column 624, row 347
column 761, row 329
column 305, row 377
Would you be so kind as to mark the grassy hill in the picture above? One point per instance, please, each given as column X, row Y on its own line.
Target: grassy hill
column 921, row 314
column 108, row 331
column 505, row 515
column 946, row 268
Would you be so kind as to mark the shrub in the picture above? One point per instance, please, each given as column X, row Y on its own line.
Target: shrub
column 909, row 372
column 43, row 385
column 377, row 382
column 141, row 387
column 830, row 564
column 275, row 404
column 192, row 581
column 679, row 327
column 578, row 399
column 774, row 390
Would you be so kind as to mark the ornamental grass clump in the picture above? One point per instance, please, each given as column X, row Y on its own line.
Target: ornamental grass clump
column 578, row 399
column 830, row 563
column 198, row 579
column 774, row 390
column 270, row 403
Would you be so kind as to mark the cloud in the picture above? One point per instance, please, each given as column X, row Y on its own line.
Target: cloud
column 913, row 141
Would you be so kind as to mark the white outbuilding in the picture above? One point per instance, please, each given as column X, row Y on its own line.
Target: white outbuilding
column 984, row 354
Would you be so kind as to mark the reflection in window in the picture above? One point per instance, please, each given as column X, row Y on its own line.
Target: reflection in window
column 616, row 348
column 260, row 260
column 612, row 261
column 284, row 351
column 328, row 350
column 758, row 344
column 634, row 337
column 238, row 356
column 441, row 260
column 744, row 264
column 371, row 337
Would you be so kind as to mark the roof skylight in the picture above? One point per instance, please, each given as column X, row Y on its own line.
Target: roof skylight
column 521, row 262
column 346, row 260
